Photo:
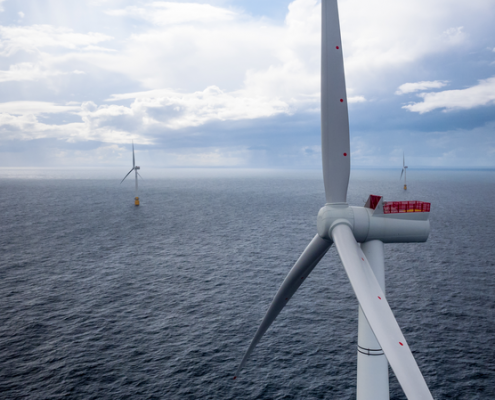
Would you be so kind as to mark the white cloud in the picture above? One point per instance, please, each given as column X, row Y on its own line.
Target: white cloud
column 481, row 94
column 21, row 14
column 211, row 104
column 235, row 52
column 454, row 36
column 356, row 99
column 420, row 86
column 169, row 13
column 118, row 124
column 388, row 35
column 34, row 108
column 30, row 72
column 23, row 120
column 33, row 38
column 176, row 110
column 265, row 69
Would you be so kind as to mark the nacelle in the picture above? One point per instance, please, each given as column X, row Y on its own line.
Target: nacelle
column 411, row 225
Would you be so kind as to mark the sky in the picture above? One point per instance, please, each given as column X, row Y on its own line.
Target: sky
column 235, row 83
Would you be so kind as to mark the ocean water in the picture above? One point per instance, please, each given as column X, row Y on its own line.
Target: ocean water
column 104, row 300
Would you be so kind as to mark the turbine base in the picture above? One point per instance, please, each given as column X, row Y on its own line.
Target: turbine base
column 136, row 201
column 405, row 187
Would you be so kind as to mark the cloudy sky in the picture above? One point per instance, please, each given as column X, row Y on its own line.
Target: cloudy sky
column 235, row 83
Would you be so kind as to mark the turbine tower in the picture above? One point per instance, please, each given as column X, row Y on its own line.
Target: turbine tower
column 134, row 168
column 404, row 171
column 359, row 234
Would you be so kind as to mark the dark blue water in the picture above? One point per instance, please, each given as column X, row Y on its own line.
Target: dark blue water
column 104, row 300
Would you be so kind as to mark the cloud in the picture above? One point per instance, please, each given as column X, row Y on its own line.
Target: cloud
column 454, row 36
column 28, row 127
column 190, row 48
column 170, row 13
column 175, row 72
column 383, row 38
column 479, row 95
column 419, row 86
column 205, row 46
column 266, row 69
column 25, row 120
column 35, row 108
column 356, row 99
column 31, row 72
column 232, row 50
column 211, row 104
column 180, row 110
column 33, row 38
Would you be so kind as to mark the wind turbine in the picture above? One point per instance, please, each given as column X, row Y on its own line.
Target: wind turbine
column 359, row 234
column 404, row 171
column 135, row 169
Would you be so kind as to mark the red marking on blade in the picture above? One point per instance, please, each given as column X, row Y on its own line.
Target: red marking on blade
column 341, row 100
column 362, row 258
column 379, row 298
column 286, row 298
column 337, row 47
column 302, row 277
column 401, row 343
column 235, row 377
column 345, row 154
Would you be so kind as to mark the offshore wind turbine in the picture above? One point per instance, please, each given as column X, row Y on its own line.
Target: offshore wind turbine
column 404, row 171
column 359, row 234
column 134, row 168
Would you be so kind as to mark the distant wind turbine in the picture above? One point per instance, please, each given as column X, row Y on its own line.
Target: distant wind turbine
column 404, row 171
column 135, row 169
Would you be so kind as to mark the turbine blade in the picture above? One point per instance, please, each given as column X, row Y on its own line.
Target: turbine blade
column 127, row 175
column 133, row 159
column 403, row 160
column 335, row 145
column 379, row 315
column 401, row 173
column 140, row 175
column 310, row 257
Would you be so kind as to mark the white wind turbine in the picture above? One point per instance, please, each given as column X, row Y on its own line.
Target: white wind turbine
column 404, row 171
column 379, row 336
column 134, row 168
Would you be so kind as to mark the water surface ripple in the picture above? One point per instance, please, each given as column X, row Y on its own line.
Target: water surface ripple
column 104, row 300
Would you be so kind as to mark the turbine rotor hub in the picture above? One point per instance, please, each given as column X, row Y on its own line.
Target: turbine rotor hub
column 331, row 215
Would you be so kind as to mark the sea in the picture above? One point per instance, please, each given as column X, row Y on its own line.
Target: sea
column 100, row 299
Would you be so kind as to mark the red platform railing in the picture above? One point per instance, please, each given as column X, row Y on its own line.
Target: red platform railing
column 392, row 207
